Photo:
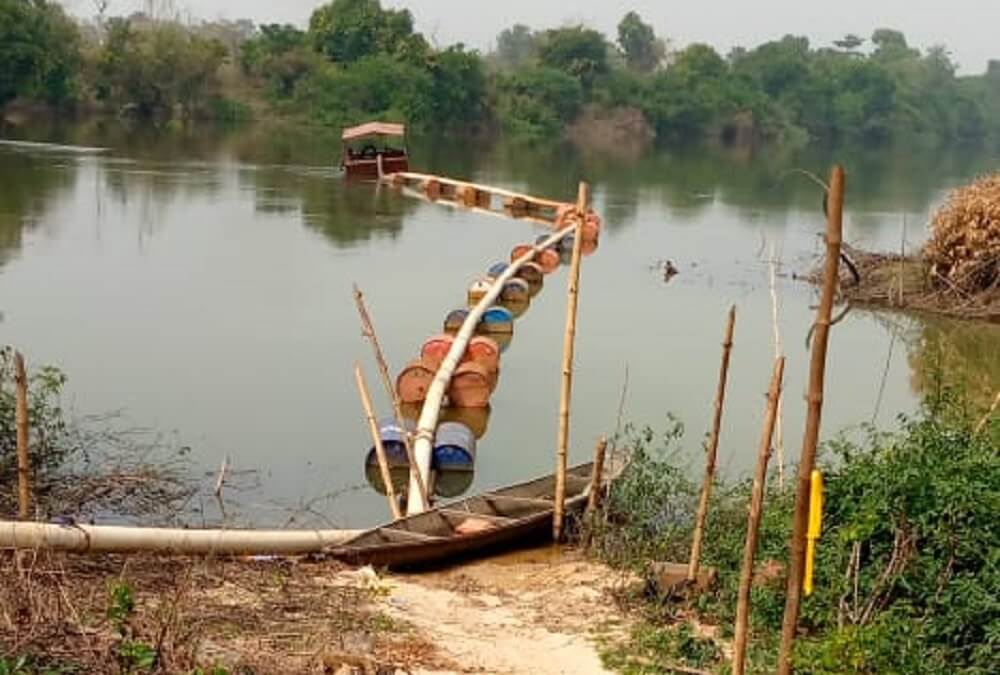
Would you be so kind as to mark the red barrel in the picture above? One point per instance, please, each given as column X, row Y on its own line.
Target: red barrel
column 533, row 274
column 520, row 251
column 436, row 348
column 414, row 381
column 470, row 386
column 484, row 351
column 548, row 260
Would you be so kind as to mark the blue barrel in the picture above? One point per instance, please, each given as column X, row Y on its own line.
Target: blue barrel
column 542, row 238
column 453, row 322
column 392, row 440
column 496, row 270
column 515, row 291
column 497, row 321
column 454, row 448
column 452, row 484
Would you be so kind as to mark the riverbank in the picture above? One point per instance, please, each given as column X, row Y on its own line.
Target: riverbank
column 541, row 611
column 905, row 283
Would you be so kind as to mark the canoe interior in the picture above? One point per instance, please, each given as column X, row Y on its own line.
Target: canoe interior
column 520, row 513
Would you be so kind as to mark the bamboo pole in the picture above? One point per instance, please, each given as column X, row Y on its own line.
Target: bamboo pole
column 383, row 462
column 21, row 422
column 573, row 293
column 817, row 374
column 753, row 519
column 435, row 393
column 712, row 451
column 779, row 436
column 595, row 477
column 368, row 330
column 105, row 539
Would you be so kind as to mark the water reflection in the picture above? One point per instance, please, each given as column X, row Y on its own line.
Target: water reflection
column 29, row 186
column 956, row 354
column 235, row 326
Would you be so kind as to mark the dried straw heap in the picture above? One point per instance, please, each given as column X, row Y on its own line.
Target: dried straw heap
column 964, row 246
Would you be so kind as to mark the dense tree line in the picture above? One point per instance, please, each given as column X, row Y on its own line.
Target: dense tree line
column 357, row 60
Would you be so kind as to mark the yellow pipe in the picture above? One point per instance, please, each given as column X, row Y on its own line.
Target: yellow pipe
column 815, row 528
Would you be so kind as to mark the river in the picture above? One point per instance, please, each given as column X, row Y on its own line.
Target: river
column 200, row 283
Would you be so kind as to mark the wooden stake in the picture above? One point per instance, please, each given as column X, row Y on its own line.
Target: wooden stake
column 779, row 436
column 595, row 477
column 368, row 330
column 573, row 293
column 21, row 422
column 817, row 374
column 383, row 462
column 753, row 520
column 712, row 451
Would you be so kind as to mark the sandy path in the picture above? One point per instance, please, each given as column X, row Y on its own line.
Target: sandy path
column 530, row 612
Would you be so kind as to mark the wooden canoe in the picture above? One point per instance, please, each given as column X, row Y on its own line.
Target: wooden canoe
column 511, row 516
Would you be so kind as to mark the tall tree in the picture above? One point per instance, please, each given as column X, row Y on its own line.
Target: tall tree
column 39, row 51
column 346, row 31
column 637, row 39
column 578, row 51
column 515, row 46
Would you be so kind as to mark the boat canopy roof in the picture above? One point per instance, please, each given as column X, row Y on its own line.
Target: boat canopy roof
column 373, row 129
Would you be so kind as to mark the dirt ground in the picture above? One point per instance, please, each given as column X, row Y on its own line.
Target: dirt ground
column 538, row 611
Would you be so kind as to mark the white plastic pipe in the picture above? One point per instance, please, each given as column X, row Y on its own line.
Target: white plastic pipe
column 114, row 539
column 429, row 414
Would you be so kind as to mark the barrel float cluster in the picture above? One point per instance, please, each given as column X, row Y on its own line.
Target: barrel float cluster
column 465, row 417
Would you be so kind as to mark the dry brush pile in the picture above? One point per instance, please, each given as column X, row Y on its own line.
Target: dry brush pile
column 964, row 245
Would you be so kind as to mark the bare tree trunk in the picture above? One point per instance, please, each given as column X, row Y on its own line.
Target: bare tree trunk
column 753, row 520
column 817, row 375
column 712, row 451
column 21, row 422
column 573, row 293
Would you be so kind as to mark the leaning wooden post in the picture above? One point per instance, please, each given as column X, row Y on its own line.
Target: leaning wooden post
column 573, row 293
column 21, row 422
column 383, row 462
column 817, row 373
column 368, row 330
column 753, row 520
column 595, row 477
column 712, row 451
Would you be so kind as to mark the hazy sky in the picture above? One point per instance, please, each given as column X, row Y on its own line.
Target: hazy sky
column 968, row 27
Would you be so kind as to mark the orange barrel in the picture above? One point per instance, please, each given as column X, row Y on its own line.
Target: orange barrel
column 432, row 188
column 566, row 250
column 496, row 321
column 414, row 380
column 548, row 260
column 477, row 419
column 477, row 291
column 454, row 447
column 503, row 340
column 436, row 348
column 516, row 308
column 486, row 352
column 589, row 246
column 591, row 227
column 520, row 251
column 534, row 275
column 515, row 291
column 470, row 386
column 484, row 199
column 466, row 195
column 453, row 322
column 516, row 206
